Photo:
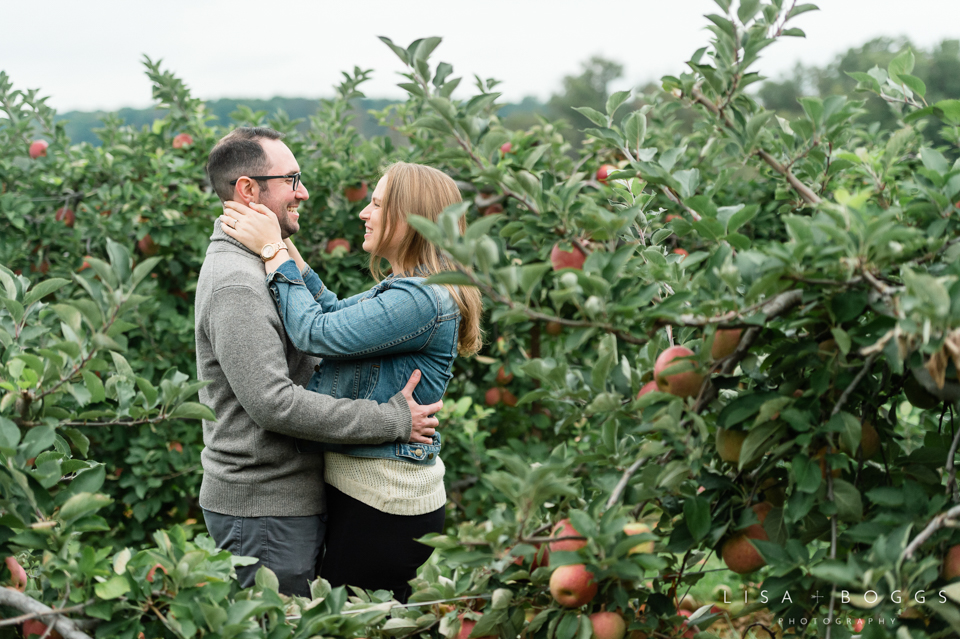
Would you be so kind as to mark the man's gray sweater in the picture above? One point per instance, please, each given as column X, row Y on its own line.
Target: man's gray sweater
column 250, row 463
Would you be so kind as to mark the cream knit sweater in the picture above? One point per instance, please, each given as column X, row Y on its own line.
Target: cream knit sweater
column 390, row 485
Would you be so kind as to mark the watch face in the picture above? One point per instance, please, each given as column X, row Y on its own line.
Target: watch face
column 268, row 251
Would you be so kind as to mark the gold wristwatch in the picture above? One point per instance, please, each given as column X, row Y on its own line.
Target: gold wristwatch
column 270, row 250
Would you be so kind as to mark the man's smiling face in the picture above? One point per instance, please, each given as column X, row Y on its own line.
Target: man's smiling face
column 279, row 195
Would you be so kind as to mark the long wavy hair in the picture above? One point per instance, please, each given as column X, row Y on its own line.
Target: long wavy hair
column 416, row 189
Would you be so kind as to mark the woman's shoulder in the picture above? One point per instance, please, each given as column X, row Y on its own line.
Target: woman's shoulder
column 416, row 286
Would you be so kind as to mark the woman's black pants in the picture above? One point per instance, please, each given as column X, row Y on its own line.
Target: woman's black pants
column 372, row 549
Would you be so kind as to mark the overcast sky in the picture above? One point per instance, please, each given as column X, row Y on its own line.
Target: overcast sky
column 86, row 55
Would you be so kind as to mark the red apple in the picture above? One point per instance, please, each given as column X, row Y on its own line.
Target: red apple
column 564, row 528
column 503, row 377
column 85, row 265
column 858, row 625
column 509, row 399
column 553, row 328
column 492, row 396
column 493, row 209
column 574, row 258
column 66, row 215
column 636, row 528
column 740, row 556
column 672, row 217
column 336, row 243
column 725, row 341
column 18, row 576
column 147, row 246
column 181, row 140
column 467, row 626
column 951, row 564
column 506, row 147
column 572, row 586
column 355, row 193
column 688, row 633
column 680, row 384
column 649, row 387
column 604, row 171
column 38, row 148
column 177, row 446
column 34, row 628
column 681, row 252
column 608, row 625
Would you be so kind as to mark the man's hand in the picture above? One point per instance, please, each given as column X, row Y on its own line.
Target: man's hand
column 424, row 426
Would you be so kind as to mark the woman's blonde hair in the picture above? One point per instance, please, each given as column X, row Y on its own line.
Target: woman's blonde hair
column 416, row 189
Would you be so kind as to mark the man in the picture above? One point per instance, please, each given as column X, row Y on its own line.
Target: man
column 261, row 496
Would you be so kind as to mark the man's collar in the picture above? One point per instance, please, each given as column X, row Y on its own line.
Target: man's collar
column 220, row 236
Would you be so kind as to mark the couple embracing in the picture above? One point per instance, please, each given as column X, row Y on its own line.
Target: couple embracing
column 324, row 458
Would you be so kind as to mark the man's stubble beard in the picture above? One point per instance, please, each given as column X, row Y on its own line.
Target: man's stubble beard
column 287, row 228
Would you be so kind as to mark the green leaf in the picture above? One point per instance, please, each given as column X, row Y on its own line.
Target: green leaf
column 758, row 441
column 948, row 111
column 915, row 84
column 37, row 440
column 616, row 100
column 43, row 289
column 119, row 260
column 593, row 115
column 696, row 514
column 9, row 434
column 934, row 160
column 94, row 386
column 902, row 64
column 848, row 501
column 635, row 129
column 82, row 504
column 143, row 269
column 193, row 410
column 114, row 587
column 266, row 579
column 806, row 473
column 689, row 181
column 748, row 9
column 481, row 227
column 426, row 228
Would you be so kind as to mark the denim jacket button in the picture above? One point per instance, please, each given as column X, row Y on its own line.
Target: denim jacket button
column 418, row 452
column 430, row 456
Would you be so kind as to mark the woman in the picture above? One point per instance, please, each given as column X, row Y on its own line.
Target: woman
column 379, row 497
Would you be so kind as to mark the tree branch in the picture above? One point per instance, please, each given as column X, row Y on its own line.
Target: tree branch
column 940, row 521
column 802, row 189
column 65, row 626
column 622, row 484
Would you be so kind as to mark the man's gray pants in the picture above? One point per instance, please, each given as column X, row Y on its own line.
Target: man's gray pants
column 289, row 546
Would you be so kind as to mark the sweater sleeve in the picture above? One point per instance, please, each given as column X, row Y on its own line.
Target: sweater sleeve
column 250, row 348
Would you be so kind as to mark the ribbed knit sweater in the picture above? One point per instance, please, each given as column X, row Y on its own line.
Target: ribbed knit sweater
column 390, row 485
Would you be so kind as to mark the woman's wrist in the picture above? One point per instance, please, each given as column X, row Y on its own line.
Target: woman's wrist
column 274, row 262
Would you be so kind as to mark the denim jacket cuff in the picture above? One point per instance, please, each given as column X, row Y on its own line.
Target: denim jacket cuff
column 286, row 272
column 313, row 283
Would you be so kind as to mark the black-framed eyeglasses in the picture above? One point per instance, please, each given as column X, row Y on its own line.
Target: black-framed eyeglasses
column 293, row 176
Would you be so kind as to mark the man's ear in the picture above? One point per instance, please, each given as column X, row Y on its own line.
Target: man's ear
column 246, row 191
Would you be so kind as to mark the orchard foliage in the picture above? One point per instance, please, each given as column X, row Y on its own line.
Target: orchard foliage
column 822, row 447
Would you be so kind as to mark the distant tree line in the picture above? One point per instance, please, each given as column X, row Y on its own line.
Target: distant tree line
column 939, row 68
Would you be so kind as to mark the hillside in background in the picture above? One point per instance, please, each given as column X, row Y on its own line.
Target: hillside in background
column 938, row 68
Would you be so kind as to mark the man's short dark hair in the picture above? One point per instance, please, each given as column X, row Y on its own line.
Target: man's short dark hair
column 237, row 154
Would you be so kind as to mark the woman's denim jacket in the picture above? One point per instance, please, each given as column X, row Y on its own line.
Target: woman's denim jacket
column 370, row 344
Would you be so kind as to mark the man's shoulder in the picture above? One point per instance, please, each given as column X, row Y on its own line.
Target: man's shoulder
column 226, row 265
